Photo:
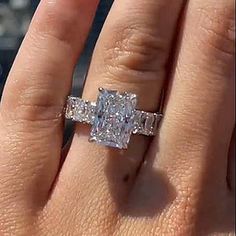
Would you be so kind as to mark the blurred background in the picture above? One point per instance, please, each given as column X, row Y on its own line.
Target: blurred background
column 15, row 16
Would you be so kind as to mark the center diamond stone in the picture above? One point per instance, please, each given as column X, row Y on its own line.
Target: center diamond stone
column 114, row 118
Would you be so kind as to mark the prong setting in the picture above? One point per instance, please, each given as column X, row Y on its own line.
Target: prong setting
column 101, row 90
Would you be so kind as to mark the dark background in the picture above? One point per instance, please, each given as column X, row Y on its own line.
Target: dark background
column 15, row 16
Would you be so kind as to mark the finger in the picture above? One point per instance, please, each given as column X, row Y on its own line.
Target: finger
column 192, row 147
column 131, row 55
column 199, row 117
column 34, row 96
column 200, row 105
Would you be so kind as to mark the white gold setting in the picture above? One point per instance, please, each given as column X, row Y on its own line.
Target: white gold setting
column 114, row 117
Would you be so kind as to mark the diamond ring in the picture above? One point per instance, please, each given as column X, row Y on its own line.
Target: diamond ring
column 114, row 117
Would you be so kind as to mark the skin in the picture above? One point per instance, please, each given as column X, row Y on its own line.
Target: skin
column 181, row 183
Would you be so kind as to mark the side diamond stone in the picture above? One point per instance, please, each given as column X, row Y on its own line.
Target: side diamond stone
column 71, row 107
column 146, row 122
column 149, row 123
column 80, row 110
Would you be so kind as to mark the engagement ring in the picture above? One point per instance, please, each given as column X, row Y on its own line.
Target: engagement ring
column 114, row 117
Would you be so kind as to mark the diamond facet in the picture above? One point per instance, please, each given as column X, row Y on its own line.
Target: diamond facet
column 114, row 118
column 71, row 107
column 146, row 122
column 80, row 110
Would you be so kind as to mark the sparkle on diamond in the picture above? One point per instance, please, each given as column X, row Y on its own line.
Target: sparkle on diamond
column 80, row 110
column 114, row 118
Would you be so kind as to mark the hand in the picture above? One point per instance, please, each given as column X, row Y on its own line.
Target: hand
column 181, row 182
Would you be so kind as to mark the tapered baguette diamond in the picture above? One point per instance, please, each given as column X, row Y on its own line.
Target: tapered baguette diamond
column 146, row 122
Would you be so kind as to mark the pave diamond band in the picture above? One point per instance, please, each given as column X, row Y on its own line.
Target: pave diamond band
column 114, row 117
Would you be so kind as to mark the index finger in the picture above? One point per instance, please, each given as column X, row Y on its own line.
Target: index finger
column 32, row 103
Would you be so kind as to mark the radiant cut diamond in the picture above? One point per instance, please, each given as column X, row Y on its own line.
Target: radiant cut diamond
column 114, row 118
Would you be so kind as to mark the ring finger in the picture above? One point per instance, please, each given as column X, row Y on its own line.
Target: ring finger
column 131, row 55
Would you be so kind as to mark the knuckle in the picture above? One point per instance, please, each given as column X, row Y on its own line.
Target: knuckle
column 218, row 27
column 35, row 104
column 54, row 21
column 33, row 99
column 41, row 111
column 135, row 50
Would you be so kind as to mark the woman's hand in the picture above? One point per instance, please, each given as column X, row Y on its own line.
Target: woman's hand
column 182, row 182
